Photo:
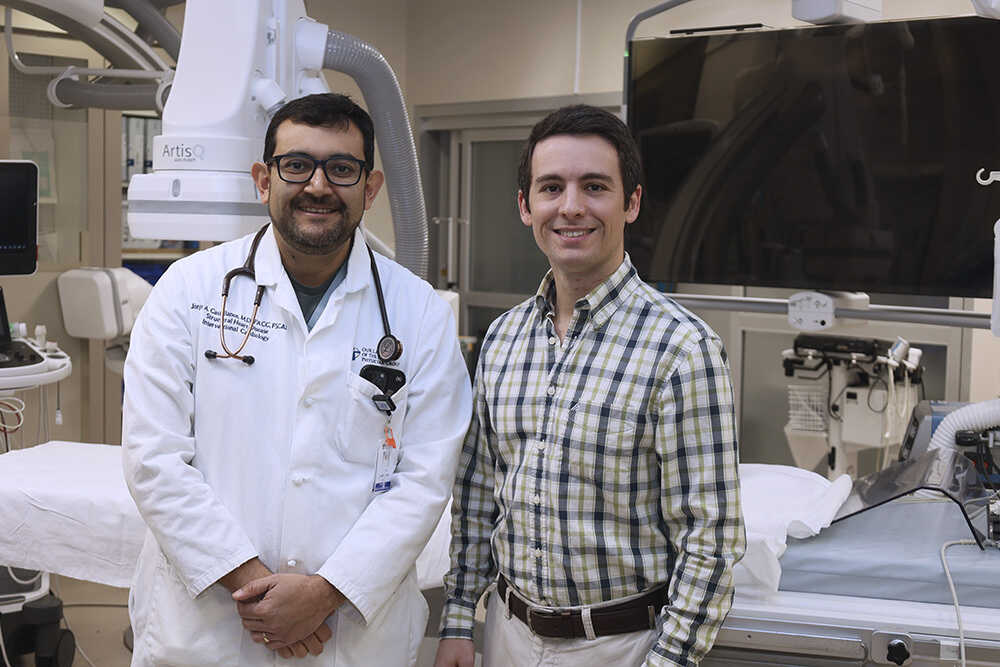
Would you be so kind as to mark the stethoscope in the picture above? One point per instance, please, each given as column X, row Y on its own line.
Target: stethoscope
column 388, row 349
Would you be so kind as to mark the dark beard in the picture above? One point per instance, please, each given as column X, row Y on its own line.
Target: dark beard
column 331, row 238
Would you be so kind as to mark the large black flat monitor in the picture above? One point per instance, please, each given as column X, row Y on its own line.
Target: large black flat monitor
column 848, row 157
column 19, row 217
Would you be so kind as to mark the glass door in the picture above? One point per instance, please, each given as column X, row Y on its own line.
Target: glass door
column 499, row 264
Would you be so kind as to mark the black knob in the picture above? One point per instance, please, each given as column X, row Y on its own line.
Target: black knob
column 897, row 652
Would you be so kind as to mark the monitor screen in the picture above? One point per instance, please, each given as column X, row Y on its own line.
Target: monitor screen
column 19, row 222
column 849, row 157
column 5, row 335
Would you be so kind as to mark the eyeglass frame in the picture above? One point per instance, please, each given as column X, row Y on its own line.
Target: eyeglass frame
column 320, row 164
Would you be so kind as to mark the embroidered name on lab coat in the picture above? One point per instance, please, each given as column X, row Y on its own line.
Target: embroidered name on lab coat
column 367, row 355
column 238, row 322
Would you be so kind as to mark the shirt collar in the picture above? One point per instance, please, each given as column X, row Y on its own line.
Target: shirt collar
column 269, row 269
column 601, row 302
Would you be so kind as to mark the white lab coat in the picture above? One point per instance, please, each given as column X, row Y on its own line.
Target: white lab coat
column 227, row 461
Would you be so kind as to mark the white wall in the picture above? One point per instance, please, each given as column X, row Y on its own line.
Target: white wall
column 984, row 372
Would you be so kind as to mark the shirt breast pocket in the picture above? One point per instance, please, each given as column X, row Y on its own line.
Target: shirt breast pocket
column 605, row 424
column 362, row 431
column 602, row 436
column 604, row 441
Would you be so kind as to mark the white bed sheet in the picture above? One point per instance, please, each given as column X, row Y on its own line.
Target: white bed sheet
column 779, row 501
column 65, row 509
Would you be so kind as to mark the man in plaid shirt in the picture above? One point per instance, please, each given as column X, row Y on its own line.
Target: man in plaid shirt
column 598, row 482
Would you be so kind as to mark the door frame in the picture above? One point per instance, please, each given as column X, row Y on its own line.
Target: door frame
column 445, row 134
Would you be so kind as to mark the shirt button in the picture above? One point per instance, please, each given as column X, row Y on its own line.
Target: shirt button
column 550, row 391
column 292, row 563
column 536, row 499
column 539, row 554
column 540, row 446
column 308, row 402
column 552, row 340
column 298, row 480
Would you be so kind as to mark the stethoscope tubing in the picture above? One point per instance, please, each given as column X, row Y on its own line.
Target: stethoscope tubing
column 389, row 347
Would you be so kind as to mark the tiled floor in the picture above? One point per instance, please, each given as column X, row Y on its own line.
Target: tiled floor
column 98, row 629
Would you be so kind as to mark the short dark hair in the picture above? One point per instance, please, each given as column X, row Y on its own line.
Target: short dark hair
column 584, row 119
column 324, row 110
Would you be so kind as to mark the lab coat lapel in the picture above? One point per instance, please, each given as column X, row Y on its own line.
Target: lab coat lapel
column 358, row 278
column 271, row 273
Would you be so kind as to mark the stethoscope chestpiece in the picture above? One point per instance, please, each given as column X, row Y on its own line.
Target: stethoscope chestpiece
column 389, row 348
column 245, row 358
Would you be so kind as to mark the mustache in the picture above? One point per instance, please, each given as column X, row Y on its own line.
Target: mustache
column 304, row 199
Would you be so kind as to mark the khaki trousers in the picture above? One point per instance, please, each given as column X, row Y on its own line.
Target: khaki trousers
column 509, row 643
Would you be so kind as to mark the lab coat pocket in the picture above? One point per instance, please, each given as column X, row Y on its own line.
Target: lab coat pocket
column 392, row 636
column 184, row 631
column 362, row 431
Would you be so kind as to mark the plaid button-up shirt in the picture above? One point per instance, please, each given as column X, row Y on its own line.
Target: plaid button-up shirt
column 602, row 465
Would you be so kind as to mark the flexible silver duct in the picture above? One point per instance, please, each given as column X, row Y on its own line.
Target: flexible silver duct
column 378, row 84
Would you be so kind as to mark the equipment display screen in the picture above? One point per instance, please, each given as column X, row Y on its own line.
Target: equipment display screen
column 849, row 157
column 19, row 217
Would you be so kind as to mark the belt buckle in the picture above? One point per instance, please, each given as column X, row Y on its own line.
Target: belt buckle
column 545, row 612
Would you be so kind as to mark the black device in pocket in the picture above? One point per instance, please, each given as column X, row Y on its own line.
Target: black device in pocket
column 388, row 380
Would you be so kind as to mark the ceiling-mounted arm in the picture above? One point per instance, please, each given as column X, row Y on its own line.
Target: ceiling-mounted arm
column 106, row 35
column 153, row 21
column 131, row 57
column 21, row 67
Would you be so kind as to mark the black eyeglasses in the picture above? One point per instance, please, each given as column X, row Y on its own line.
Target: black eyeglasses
column 342, row 170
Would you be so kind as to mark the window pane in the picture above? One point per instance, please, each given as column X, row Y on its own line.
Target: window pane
column 503, row 254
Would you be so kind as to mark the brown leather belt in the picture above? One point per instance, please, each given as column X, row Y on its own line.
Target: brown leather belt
column 614, row 619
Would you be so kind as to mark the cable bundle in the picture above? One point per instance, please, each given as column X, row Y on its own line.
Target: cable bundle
column 12, row 409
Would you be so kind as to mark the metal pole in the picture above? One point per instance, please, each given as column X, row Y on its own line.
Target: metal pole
column 629, row 33
column 913, row 315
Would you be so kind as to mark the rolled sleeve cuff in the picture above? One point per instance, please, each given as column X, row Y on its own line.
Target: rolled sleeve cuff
column 358, row 603
column 656, row 658
column 458, row 620
column 202, row 582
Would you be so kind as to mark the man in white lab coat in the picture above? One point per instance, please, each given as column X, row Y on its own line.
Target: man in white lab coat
column 286, row 498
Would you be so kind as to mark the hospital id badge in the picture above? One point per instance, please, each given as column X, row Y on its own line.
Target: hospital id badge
column 386, row 460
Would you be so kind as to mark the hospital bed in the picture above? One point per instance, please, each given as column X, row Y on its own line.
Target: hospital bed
column 871, row 590
column 864, row 591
